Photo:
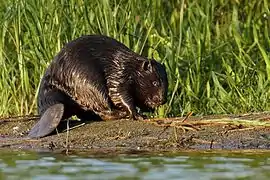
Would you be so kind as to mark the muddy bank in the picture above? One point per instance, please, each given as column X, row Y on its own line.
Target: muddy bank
column 227, row 132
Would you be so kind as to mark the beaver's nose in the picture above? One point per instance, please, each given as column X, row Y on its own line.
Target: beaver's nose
column 164, row 100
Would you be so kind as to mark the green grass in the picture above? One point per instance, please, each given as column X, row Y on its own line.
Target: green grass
column 216, row 52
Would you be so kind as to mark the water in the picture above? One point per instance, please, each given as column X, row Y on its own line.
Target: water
column 39, row 166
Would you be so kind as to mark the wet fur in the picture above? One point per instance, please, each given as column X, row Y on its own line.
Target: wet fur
column 97, row 75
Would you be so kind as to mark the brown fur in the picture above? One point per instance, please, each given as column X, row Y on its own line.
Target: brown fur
column 98, row 75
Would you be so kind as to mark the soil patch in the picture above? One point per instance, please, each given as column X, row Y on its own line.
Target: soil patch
column 224, row 132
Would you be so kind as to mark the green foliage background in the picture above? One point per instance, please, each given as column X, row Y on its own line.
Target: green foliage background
column 216, row 51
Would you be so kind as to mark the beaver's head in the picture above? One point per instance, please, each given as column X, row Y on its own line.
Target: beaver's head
column 151, row 84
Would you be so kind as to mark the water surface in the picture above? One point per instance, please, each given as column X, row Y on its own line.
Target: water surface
column 186, row 165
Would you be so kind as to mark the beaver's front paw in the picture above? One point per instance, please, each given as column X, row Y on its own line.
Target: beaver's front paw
column 138, row 116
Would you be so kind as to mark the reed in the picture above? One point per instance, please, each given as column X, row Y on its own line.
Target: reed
column 216, row 51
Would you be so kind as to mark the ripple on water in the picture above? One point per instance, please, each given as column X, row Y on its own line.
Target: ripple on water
column 22, row 165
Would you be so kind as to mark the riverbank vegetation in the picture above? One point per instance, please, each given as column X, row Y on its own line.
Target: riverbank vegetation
column 217, row 52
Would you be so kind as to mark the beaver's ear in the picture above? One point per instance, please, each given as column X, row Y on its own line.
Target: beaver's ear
column 147, row 66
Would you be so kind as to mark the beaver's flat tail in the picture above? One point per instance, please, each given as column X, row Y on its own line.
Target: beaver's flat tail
column 48, row 122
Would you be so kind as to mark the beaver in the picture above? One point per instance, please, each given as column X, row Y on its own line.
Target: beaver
column 96, row 75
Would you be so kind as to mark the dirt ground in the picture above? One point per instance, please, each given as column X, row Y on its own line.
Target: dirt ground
column 224, row 132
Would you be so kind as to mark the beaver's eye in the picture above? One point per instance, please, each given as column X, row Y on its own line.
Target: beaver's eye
column 155, row 83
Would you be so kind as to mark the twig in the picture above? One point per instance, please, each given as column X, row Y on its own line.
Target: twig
column 74, row 127
column 187, row 116
column 67, row 137
column 19, row 118
column 211, row 144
